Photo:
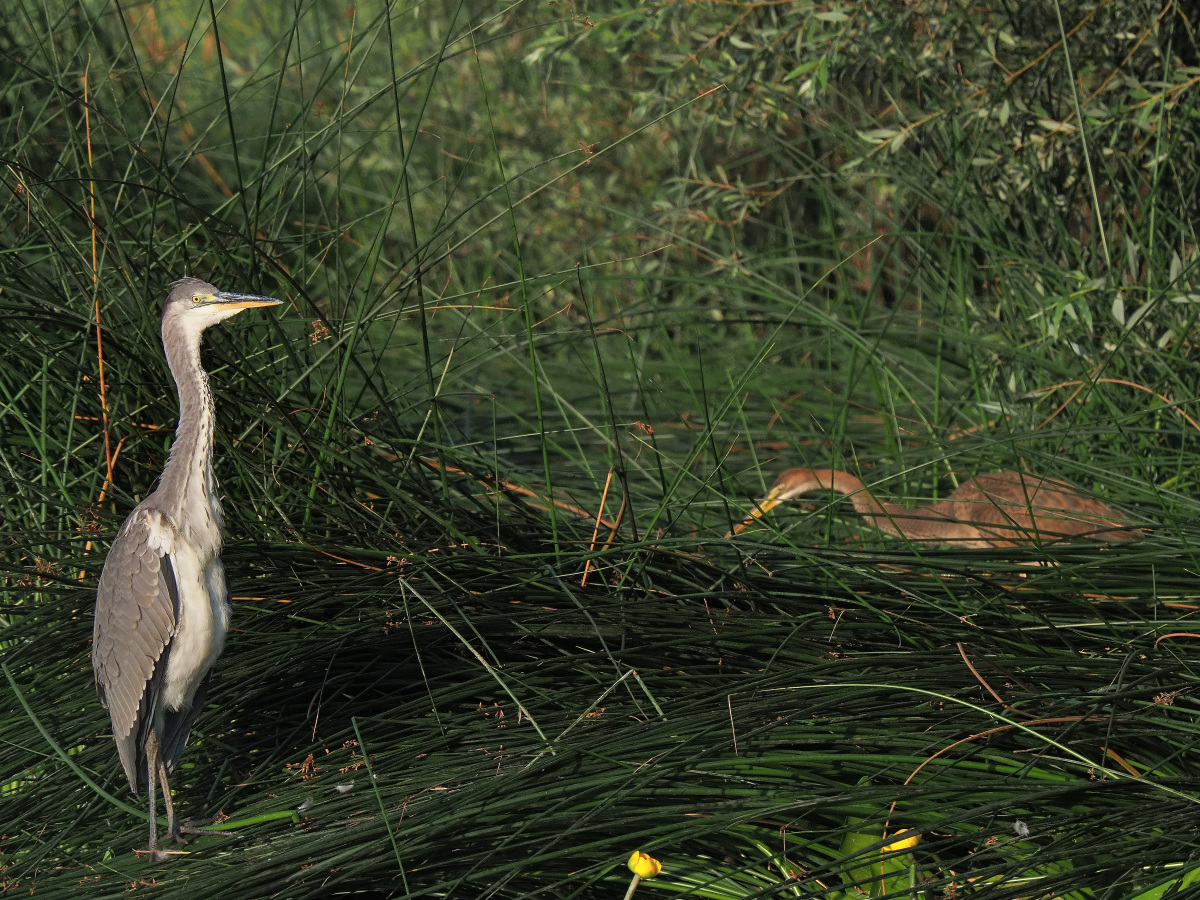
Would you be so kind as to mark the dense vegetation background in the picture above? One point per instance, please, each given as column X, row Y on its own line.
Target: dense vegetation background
column 567, row 285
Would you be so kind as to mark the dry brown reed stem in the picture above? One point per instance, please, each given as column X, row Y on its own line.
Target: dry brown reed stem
column 87, row 127
column 513, row 488
column 587, row 566
column 1080, row 385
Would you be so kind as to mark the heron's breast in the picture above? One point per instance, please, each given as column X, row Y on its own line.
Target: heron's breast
column 203, row 620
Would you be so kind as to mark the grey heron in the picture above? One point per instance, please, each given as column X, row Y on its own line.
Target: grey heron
column 161, row 607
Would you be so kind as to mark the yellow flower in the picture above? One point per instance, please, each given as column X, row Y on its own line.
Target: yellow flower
column 901, row 843
column 644, row 865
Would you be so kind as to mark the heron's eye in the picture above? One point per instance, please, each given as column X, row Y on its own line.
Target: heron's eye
column 197, row 298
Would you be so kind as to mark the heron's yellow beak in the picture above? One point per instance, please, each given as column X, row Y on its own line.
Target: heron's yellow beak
column 764, row 506
column 226, row 300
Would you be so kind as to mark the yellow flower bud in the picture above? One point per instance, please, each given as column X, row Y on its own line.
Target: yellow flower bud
column 644, row 865
column 902, row 843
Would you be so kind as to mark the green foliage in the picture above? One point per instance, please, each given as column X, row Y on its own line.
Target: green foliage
column 567, row 285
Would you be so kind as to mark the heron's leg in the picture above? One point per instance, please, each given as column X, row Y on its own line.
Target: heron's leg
column 167, row 801
column 152, row 768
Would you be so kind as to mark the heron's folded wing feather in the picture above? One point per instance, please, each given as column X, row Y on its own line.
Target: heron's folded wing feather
column 1054, row 509
column 136, row 613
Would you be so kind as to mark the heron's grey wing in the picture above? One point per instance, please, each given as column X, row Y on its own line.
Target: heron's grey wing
column 137, row 607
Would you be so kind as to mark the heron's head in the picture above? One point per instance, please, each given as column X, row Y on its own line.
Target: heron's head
column 194, row 305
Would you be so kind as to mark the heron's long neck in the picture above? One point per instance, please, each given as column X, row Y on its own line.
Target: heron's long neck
column 941, row 521
column 187, row 476
column 882, row 515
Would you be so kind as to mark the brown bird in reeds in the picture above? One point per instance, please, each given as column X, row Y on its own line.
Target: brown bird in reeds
column 1002, row 509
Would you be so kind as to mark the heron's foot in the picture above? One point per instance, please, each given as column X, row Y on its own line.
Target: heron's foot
column 198, row 826
column 160, row 855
